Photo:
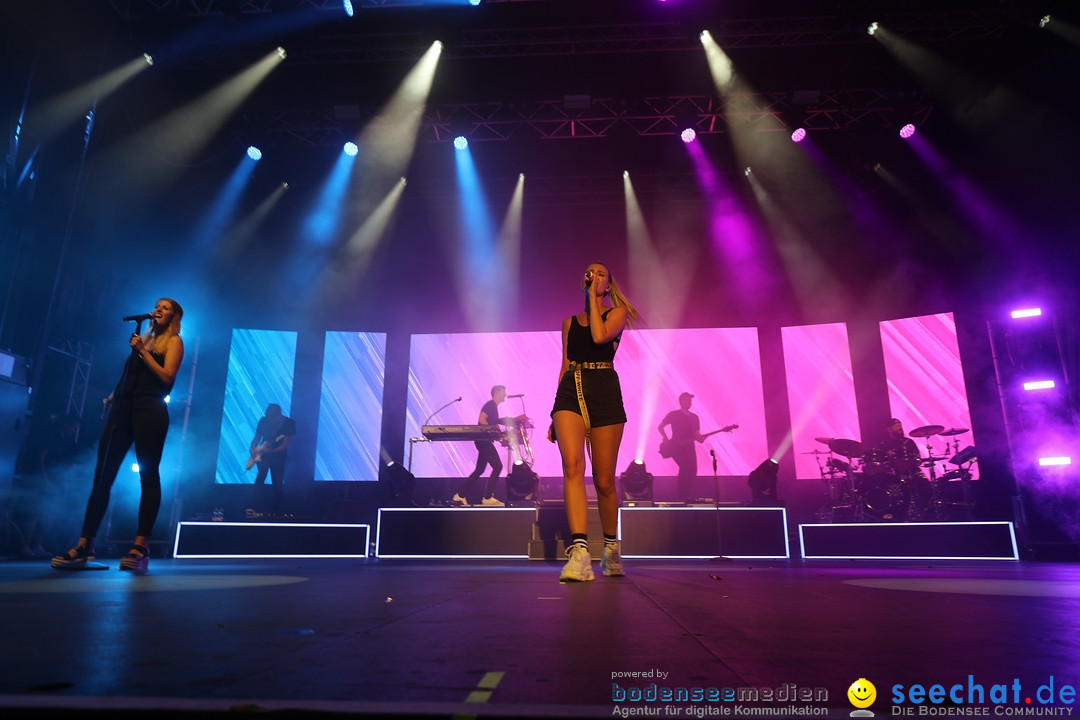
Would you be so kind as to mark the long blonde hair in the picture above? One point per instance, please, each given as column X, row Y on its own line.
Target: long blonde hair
column 618, row 299
column 153, row 338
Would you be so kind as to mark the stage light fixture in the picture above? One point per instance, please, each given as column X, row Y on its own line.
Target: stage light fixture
column 347, row 7
column 1026, row 313
column 688, row 135
column 873, row 28
column 281, row 52
column 402, row 483
column 907, row 131
column 636, row 483
column 254, row 153
column 1044, row 21
column 746, row 172
column 460, row 142
column 1039, row 385
column 762, row 482
column 474, row 3
column 799, row 135
column 148, row 58
column 351, row 149
column 134, row 467
column 521, row 483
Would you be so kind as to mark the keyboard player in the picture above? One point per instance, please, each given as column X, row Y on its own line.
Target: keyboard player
column 486, row 455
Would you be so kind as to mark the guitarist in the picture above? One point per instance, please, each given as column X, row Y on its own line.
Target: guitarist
column 685, row 431
column 268, row 450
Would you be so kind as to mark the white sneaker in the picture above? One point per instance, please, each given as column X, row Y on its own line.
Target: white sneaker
column 611, row 560
column 458, row 500
column 578, row 566
column 493, row 502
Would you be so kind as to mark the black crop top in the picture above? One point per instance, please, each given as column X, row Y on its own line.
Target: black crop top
column 581, row 348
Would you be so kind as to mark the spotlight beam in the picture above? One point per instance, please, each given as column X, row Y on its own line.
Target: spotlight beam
column 57, row 113
column 175, row 140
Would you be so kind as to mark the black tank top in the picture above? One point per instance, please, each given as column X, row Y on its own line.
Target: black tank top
column 140, row 381
column 581, row 348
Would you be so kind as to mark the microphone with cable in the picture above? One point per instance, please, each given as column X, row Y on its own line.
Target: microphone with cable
column 515, row 396
column 588, row 279
column 137, row 318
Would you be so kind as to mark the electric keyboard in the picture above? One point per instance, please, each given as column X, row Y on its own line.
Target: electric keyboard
column 462, row 432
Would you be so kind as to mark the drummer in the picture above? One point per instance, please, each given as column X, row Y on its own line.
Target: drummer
column 898, row 452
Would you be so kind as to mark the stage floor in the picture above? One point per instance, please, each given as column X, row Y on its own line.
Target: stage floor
column 494, row 638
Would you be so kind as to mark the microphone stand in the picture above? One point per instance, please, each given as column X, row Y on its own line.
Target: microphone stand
column 716, row 506
column 118, row 393
column 414, row 440
column 441, row 409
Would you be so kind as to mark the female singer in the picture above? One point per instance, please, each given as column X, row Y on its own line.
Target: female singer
column 588, row 418
column 137, row 414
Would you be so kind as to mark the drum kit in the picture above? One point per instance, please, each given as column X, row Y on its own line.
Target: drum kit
column 886, row 485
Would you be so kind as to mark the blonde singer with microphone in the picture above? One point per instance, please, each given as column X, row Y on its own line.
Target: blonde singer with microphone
column 588, row 418
column 136, row 415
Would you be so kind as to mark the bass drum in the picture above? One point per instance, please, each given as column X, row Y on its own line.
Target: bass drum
column 885, row 496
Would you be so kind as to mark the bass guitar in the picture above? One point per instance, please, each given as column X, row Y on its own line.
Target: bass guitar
column 667, row 446
column 257, row 455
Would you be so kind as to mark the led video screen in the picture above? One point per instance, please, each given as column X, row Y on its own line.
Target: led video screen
column 261, row 368
column 451, row 376
column 351, row 406
column 821, row 394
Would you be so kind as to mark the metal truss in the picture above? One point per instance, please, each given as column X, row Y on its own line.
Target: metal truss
column 605, row 117
column 82, row 356
column 571, row 38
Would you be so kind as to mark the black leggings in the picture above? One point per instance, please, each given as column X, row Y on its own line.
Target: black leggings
column 144, row 422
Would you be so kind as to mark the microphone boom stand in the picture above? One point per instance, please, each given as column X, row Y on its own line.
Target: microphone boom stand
column 716, row 506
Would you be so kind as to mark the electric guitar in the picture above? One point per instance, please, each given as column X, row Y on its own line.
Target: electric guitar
column 257, row 455
column 667, row 446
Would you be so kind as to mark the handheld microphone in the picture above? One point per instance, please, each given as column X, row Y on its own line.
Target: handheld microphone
column 588, row 279
column 515, row 396
column 137, row 318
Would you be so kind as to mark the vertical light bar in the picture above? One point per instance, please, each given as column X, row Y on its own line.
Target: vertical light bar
column 1055, row 461
column 1039, row 385
column 1026, row 313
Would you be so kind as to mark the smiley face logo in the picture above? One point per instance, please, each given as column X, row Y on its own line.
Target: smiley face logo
column 862, row 693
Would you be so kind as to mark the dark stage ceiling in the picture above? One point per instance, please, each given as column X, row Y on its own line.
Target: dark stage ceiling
column 571, row 92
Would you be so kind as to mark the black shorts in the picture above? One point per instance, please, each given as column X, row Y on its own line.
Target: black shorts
column 603, row 396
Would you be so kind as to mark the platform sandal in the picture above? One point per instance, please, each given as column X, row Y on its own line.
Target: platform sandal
column 136, row 560
column 76, row 557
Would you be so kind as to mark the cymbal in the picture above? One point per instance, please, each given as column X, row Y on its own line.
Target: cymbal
column 953, row 431
column 926, row 430
column 932, row 459
column 815, row 452
column 825, row 440
column 847, row 448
